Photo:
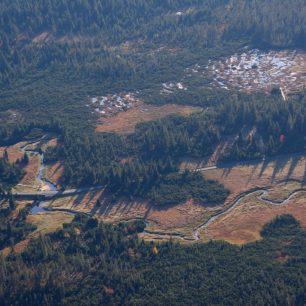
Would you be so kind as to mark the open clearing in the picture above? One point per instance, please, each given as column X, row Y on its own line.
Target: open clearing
column 45, row 222
column 241, row 178
column 14, row 152
column 186, row 222
column 177, row 220
column 28, row 182
column 125, row 122
column 54, row 172
column 49, row 222
column 31, row 180
column 282, row 176
column 244, row 223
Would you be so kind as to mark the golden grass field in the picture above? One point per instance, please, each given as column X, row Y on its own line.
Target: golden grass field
column 282, row 176
column 45, row 222
column 241, row 178
column 54, row 172
column 49, row 222
column 125, row 122
column 178, row 219
column 29, row 181
column 14, row 152
column 242, row 224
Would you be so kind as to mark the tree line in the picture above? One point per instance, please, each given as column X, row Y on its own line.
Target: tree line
column 91, row 263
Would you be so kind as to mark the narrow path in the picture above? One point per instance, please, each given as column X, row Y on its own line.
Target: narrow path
column 248, row 162
column 205, row 169
column 56, row 193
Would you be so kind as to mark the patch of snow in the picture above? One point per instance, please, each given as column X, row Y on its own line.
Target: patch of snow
column 256, row 70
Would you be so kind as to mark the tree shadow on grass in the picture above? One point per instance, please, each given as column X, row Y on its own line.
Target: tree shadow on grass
column 122, row 208
column 101, row 207
column 304, row 176
column 294, row 161
column 279, row 165
column 255, row 167
column 226, row 172
column 78, row 200
column 264, row 166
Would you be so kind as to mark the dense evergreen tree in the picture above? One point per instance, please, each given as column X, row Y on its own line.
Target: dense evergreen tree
column 56, row 53
column 89, row 263
column 10, row 174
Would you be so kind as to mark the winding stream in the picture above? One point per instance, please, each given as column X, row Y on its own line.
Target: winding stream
column 46, row 184
column 260, row 197
column 41, row 177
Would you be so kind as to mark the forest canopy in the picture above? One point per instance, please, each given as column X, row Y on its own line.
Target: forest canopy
column 89, row 263
column 57, row 54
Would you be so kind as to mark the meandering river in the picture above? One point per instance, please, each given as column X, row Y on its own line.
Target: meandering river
column 41, row 176
column 260, row 192
column 261, row 197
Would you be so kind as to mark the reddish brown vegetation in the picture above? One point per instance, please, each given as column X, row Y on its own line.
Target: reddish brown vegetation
column 245, row 222
column 54, row 172
column 125, row 122
column 14, row 152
